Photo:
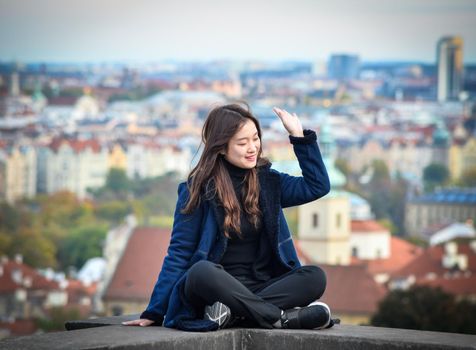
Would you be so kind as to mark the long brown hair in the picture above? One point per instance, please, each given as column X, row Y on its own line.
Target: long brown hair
column 211, row 178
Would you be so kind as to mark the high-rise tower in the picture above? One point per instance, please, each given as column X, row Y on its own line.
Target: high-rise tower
column 449, row 58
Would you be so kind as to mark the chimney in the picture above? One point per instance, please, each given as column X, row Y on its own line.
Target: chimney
column 17, row 276
column 451, row 259
column 472, row 245
column 19, row 258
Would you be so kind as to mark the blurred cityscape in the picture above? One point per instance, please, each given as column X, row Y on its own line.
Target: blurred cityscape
column 91, row 156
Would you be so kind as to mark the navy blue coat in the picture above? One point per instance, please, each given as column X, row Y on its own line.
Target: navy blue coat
column 199, row 235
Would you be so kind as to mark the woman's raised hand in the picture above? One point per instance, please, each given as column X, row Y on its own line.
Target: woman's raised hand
column 143, row 322
column 290, row 121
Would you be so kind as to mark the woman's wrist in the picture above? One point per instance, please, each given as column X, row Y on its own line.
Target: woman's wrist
column 309, row 137
column 297, row 134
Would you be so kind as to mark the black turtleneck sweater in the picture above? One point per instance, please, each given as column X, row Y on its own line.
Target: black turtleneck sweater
column 248, row 256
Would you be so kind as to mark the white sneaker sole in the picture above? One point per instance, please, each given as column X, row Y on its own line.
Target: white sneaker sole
column 219, row 313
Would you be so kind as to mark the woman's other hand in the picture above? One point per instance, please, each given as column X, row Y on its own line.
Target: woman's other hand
column 143, row 322
column 290, row 122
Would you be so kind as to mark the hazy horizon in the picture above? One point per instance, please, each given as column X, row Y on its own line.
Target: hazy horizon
column 306, row 30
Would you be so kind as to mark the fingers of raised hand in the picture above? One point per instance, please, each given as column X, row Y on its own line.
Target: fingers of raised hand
column 281, row 112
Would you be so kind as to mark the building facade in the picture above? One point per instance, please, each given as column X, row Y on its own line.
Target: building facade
column 449, row 58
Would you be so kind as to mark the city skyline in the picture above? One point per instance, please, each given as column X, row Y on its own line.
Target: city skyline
column 145, row 31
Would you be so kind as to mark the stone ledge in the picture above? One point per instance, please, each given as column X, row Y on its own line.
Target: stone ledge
column 99, row 322
column 112, row 335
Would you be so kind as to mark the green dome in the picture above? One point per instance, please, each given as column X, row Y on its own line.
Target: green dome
column 325, row 135
column 37, row 94
column 441, row 136
column 336, row 177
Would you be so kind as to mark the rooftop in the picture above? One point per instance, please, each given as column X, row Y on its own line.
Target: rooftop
column 140, row 264
column 449, row 196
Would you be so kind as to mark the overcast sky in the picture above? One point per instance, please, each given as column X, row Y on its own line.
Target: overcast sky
column 150, row 30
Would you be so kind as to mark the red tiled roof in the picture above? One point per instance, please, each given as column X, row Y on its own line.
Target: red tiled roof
column 137, row 271
column 401, row 254
column 403, row 141
column 77, row 290
column 8, row 285
column 77, row 145
column 351, row 289
column 430, row 261
column 461, row 285
column 366, row 226
column 377, row 128
column 62, row 101
column 19, row 327
column 426, row 131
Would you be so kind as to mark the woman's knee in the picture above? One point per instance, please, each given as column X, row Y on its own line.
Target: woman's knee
column 201, row 271
column 316, row 279
column 201, row 268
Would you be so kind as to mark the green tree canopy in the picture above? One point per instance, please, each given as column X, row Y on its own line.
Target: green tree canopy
column 117, row 181
column 82, row 244
column 426, row 308
column 343, row 166
column 468, row 178
column 113, row 211
column 37, row 250
column 435, row 174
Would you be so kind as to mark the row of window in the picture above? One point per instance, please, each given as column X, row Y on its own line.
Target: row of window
column 315, row 220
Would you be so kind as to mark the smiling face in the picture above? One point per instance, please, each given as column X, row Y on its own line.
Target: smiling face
column 243, row 147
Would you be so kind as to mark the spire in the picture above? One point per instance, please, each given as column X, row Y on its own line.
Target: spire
column 328, row 149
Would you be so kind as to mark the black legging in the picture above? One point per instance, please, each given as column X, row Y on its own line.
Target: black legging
column 207, row 283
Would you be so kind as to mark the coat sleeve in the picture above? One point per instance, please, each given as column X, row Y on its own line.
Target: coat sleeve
column 314, row 182
column 183, row 242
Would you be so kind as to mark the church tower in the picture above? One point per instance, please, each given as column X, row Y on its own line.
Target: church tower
column 324, row 225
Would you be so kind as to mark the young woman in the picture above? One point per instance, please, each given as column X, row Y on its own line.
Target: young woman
column 231, row 256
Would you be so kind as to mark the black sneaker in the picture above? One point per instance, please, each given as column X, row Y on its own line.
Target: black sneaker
column 219, row 313
column 314, row 316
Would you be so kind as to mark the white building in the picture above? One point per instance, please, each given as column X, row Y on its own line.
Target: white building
column 72, row 165
column 17, row 172
column 148, row 159
column 369, row 240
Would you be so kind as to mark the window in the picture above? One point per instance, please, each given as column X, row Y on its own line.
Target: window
column 338, row 220
column 379, row 254
column 355, row 252
column 315, row 220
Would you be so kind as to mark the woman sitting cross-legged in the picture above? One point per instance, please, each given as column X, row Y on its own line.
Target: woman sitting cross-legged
column 231, row 259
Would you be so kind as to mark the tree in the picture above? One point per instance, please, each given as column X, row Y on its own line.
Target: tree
column 57, row 318
column 36, row 250
column 435, row 174
column 425, row 308
column 113, row 211
column 10, row 218
column 398, row 196
column 379, row 189
column 82, row 244
column 468, row 178
column 388, row 224
column 343, row 166
column 117, row 181
column 5, row 242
